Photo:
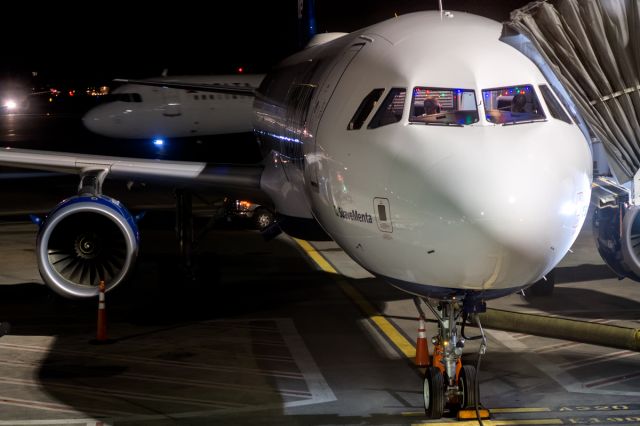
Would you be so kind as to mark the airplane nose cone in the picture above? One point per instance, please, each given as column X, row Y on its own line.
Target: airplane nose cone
column 102, row 121
column 500, row 207
column 94, row 121
column 527, row 202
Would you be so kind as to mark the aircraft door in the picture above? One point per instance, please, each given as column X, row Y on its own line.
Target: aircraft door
column 171, row 102
column 325, row 90
column 328, row 84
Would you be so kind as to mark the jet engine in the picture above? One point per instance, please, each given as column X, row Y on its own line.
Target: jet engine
column 616, row 230
column 84, row 240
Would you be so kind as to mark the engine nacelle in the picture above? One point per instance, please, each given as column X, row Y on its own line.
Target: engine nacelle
column 616, row 230
column 84, row 240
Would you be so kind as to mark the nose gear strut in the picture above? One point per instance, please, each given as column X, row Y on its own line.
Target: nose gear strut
column 447, row 382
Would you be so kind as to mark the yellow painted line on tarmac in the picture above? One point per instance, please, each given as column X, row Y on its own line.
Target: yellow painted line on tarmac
column 496, row 422
column 316, row 256
column 389, row 330
column 494, row 410
column 400, row 342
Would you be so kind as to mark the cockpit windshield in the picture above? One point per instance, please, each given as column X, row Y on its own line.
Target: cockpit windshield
column 511, row 105
column 443, row 106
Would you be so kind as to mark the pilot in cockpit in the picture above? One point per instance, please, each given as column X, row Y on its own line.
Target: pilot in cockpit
column 431, row 106
column 518, row 103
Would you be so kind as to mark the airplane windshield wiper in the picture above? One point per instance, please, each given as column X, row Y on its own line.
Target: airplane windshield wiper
column 512, row 123
column 437, row 123
column 445, row 124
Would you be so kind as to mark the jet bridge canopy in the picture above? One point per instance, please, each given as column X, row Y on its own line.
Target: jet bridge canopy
column 592, row 49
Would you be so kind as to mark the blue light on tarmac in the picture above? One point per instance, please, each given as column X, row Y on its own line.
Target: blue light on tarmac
column 158, row 142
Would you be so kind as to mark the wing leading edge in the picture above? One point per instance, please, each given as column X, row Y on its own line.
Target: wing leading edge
column 235, row 178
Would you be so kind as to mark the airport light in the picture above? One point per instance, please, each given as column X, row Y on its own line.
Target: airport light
column 158, row 142
column 11, row 104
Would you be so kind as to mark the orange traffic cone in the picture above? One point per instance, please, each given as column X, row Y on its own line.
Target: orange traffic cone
column 422, row 350
column 101, row 334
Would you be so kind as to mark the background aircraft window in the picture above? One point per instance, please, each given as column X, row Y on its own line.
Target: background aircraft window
column 121, row 97
column 555, row 109
column 443, row 106
column 365, row 108
column 513, row 104
column 196, row 97
column 391, row 109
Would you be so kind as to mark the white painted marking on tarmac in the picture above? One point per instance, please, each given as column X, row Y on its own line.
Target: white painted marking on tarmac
column 318, row 389
column 88, row 391
column 153, row 361
column 214, row 385
column 39, row 405
column 317, row 385
column 554, row 371
column 612, row 380
column 597, row 359
column 556, row 347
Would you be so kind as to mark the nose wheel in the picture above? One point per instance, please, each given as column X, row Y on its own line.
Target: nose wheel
column 433, row 392
column 448, row 384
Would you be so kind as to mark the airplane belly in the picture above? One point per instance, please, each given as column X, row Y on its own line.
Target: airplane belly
column 460, row 213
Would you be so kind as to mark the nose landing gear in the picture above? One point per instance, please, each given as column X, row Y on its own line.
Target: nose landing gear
column 448, row 384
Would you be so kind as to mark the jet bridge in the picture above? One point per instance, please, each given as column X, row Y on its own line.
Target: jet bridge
column 590, row 51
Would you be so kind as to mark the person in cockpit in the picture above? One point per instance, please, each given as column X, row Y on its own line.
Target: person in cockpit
column 431, row 106
column 518, row 103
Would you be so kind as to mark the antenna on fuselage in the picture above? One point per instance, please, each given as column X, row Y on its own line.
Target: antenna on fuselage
column 440, row 2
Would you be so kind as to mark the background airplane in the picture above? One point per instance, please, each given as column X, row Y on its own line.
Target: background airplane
column 351, row 154
column 140, row 111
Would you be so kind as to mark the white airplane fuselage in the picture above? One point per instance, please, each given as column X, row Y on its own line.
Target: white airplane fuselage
column 143, row 112
column 436, row 210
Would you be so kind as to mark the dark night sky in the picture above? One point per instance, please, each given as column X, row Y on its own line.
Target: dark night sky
column 103, row 40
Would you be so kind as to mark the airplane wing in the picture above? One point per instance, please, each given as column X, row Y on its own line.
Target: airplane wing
column 105, row 227
column 232, row 178
column 202, row 87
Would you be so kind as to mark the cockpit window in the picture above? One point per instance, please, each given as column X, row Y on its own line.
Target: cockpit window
column 391, row 109
column 363, row 111
column 513, row 104
column 121, row 97
column 443, row 106
column 555, row 109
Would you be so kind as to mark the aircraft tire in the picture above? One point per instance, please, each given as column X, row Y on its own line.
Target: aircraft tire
column 467, row 383
column 433, row 393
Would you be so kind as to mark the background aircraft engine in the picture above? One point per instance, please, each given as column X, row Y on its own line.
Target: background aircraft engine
column 86, row 239
column 616, row 229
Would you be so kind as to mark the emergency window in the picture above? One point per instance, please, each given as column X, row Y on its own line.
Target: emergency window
column 391, row 109
column 365, row 108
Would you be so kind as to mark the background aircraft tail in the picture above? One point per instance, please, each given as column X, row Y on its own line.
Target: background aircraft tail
column 306, row 21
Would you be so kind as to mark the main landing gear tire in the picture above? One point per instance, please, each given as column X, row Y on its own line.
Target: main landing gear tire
column 433, row 392
column 467, row 386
